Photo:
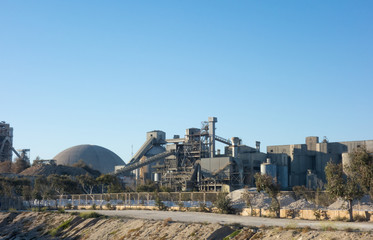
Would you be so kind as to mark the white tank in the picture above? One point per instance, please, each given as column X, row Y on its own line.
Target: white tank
column 269, row 169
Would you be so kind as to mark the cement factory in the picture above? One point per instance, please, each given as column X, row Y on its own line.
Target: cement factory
column 193, row 162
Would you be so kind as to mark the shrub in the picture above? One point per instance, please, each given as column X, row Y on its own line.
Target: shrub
column 291, row 226
column 86, row 215
column 167, row 221
column 359, row 218
column 349, row 229
column 232, row 235
column 69, row 206
column 317, row 214
column 61, row 227
column 203, row 207
column 338, row 218
column 94, row 207
column 327, row 227
column 224, row 204
column 12, row 210
column 61, row 210
column 159, row 204
column 306, row 229
column 180, row 204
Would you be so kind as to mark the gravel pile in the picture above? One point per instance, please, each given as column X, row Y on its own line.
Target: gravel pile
column 262, row 200
column 364, row 204
column 47, row 169
column 258, row 200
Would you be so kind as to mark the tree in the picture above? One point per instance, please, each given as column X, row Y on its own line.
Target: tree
column 87, row 183
column 361, row 163
column 43, row 187
column 267, row 184
column 110, row 182
column 27, row 194
column 343, row 186
column 61, row 184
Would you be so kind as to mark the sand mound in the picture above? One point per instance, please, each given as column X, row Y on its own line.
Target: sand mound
column 48, row 169
column 258, row 200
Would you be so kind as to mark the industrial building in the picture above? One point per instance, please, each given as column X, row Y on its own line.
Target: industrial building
column 6, row 142
column 192, row 162
column 304, row 164
column 6, row 145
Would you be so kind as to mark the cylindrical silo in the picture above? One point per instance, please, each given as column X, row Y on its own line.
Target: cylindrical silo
column 268, row 168
column 283, row 176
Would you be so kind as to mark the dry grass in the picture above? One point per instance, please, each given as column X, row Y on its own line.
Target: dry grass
column 167, row 221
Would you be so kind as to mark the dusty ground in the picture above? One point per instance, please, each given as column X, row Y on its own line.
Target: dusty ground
column 31, row 225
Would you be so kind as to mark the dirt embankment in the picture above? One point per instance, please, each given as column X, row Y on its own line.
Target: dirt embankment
column 31, row 225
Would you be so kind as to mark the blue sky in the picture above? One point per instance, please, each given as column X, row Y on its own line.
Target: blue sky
column 106, row 72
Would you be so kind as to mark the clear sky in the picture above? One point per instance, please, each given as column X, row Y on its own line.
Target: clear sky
column 106, row 72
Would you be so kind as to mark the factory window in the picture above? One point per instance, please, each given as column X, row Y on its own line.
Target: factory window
column 358, row 146
column 271, row 150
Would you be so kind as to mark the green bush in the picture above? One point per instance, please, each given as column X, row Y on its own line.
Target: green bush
column 224, row 204
column 159, row 203
column 86, row 215
column 61, row 227
column 12, row 210
column 61, row 210
column 232, row 235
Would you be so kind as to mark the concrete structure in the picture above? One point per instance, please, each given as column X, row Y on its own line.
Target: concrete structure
column 96, row 157
column 308, row 161
column 6, row 142
column 192, row 162
column 6, row 145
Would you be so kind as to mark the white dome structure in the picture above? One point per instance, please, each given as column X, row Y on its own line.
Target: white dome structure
column 98, row 158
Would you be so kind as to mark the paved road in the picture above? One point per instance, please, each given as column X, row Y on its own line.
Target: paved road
column 230, row 219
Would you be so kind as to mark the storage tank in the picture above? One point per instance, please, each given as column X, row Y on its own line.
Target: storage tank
column 268, row 168
column 283, row 176
column 156, row 177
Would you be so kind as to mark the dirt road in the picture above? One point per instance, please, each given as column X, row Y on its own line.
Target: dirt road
column 230, row 219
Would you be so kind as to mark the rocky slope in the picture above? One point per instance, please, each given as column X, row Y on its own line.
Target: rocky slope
column 49, row 225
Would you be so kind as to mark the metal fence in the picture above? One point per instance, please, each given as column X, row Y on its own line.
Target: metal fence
column 173, row 199
column 7, row 203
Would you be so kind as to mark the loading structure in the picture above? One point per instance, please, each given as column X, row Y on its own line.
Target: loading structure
column 192, row 162
column 6, row 145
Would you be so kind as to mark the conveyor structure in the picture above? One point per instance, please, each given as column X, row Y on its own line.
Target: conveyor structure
column 191, row 163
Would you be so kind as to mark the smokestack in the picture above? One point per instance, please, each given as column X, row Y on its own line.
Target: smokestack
column 257, row 143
